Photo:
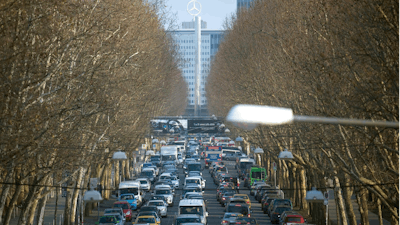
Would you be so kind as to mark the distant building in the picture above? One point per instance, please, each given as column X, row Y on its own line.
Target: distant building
column 243, row 3
column 185, row 40
column 190, row 25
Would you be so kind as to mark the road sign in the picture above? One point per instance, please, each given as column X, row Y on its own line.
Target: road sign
column 154, row 146
column 326, row 195
column 274, row 166
column 144, row 146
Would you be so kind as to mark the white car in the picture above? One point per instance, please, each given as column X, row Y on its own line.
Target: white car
column 175, row 181
column 145, row 184
column 161, row 206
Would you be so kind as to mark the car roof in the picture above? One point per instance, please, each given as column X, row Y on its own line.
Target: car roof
column 191, row 202
column 155, row 200
column 188, row 216
column 162, row 187
column 121, row 202
column 241, row 195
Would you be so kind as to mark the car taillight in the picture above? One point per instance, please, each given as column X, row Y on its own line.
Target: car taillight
column 248, row 215
column 247, row 202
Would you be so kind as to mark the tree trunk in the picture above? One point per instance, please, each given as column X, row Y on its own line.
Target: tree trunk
column 116, row 173
column 339, row 200
column 363, row 205
column 4, row 193
column 379, row 205
column 32, row 211
column 127, row 170
column 303, row 189
column 75, row 195
column 347, row 199
column 40, row 211
column 56, row 206
column 27, row 205
column 11, row 205
column 67, row 209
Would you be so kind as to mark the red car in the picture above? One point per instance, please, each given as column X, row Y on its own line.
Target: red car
column 292, row 217
column 126, row 207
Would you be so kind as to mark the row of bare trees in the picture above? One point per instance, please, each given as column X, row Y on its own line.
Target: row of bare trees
column 324, row 58
column 80, row 79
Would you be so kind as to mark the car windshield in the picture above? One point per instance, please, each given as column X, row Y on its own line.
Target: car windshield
column 281, row 209
column 242, row 196
column 145, row 220
column 128, row 191
column 192, row 181
column 194, row 167
column 191, row 210
column 187, row 220
column 293, row 219
column 112, row 211
column 230, row 215
column 257, row 175
column 107, row 219
column 147, row 173
column 127, row 197
column 163, row 192
column 121, row 205
column 156, row 203
column 238, row 209
column 143, row 182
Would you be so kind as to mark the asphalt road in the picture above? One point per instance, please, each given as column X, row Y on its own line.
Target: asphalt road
column 215, row 210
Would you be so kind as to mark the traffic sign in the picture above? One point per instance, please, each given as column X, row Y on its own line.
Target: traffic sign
column 326, row 195
column 154, row 146
column 274, row 166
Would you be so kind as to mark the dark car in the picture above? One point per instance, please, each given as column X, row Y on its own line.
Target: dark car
column 243, row 209
column 246, row 220
column 276, row 213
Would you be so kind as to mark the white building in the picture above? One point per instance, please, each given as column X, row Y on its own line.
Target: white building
column 185, row 40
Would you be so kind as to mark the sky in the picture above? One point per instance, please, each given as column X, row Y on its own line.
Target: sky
column 213, row 11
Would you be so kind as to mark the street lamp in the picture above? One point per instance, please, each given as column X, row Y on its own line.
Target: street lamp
column 285, row 155
column 119, row 156
column 314, row 196
column 249, row 116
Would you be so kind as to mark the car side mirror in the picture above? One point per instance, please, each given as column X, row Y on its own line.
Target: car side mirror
column 206, row 213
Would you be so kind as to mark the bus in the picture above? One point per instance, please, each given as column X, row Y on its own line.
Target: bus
column 257, row 173
column 213, row 154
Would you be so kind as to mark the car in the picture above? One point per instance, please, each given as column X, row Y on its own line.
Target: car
column 275, row 203
column 226, row 197
column 194, row 173
column 175, row 181
column 187, row 189
column 266, row 200
column 277, row 211
column 167, row 192
column 150, row 213
column 245, row 197
column 120, row 219
column 130, row 198
column 107, row 220
column 195, row 180
column 150, row 220
column 238, row 208
column 238, row 201
column 187, row 218
column 230, row 218
column 161, row 206
column 246, row 220
column 158, row 197
column 115, row 210
column 255, row 186
column 126, row 207
column 145, row 184
column 291, row 217
column 193, row 206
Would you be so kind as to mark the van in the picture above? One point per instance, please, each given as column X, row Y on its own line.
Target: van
column 193, row 206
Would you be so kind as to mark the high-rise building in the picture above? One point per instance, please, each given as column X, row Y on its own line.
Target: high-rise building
column 243, row 3
column 185, row 40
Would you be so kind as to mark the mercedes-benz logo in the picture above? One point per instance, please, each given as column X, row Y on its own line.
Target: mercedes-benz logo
column 194, row 8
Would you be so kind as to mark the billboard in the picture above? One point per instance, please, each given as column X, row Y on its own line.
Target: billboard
column 204, row 126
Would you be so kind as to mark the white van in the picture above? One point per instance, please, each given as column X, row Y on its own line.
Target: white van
column 193, row 206
column 132, row 187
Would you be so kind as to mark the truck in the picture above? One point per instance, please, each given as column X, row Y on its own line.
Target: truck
column 257, row 173
column 213, row 154
column 169, row 153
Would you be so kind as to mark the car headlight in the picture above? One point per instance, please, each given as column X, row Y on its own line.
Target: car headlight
column 163, row 209
column 128, row 213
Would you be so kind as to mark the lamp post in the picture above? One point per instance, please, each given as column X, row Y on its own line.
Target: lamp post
column 249, row 116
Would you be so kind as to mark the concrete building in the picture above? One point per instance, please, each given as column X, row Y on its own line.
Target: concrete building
column 185, row 40
column 243, row 3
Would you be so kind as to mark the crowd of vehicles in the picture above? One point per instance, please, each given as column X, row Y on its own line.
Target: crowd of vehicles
column 159, row 178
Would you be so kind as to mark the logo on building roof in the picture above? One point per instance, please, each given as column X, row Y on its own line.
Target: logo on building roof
column 194, row 8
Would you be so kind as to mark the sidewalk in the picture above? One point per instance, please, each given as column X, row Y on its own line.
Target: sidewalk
column 48, row 218
column 373, row 218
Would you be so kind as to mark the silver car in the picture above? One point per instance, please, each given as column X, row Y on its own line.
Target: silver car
column 120, row 219
column 175, row 181
column 166, row 191
column 145, row 184
column 161, row 206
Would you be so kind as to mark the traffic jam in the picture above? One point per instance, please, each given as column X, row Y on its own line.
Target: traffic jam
column 210, row 182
